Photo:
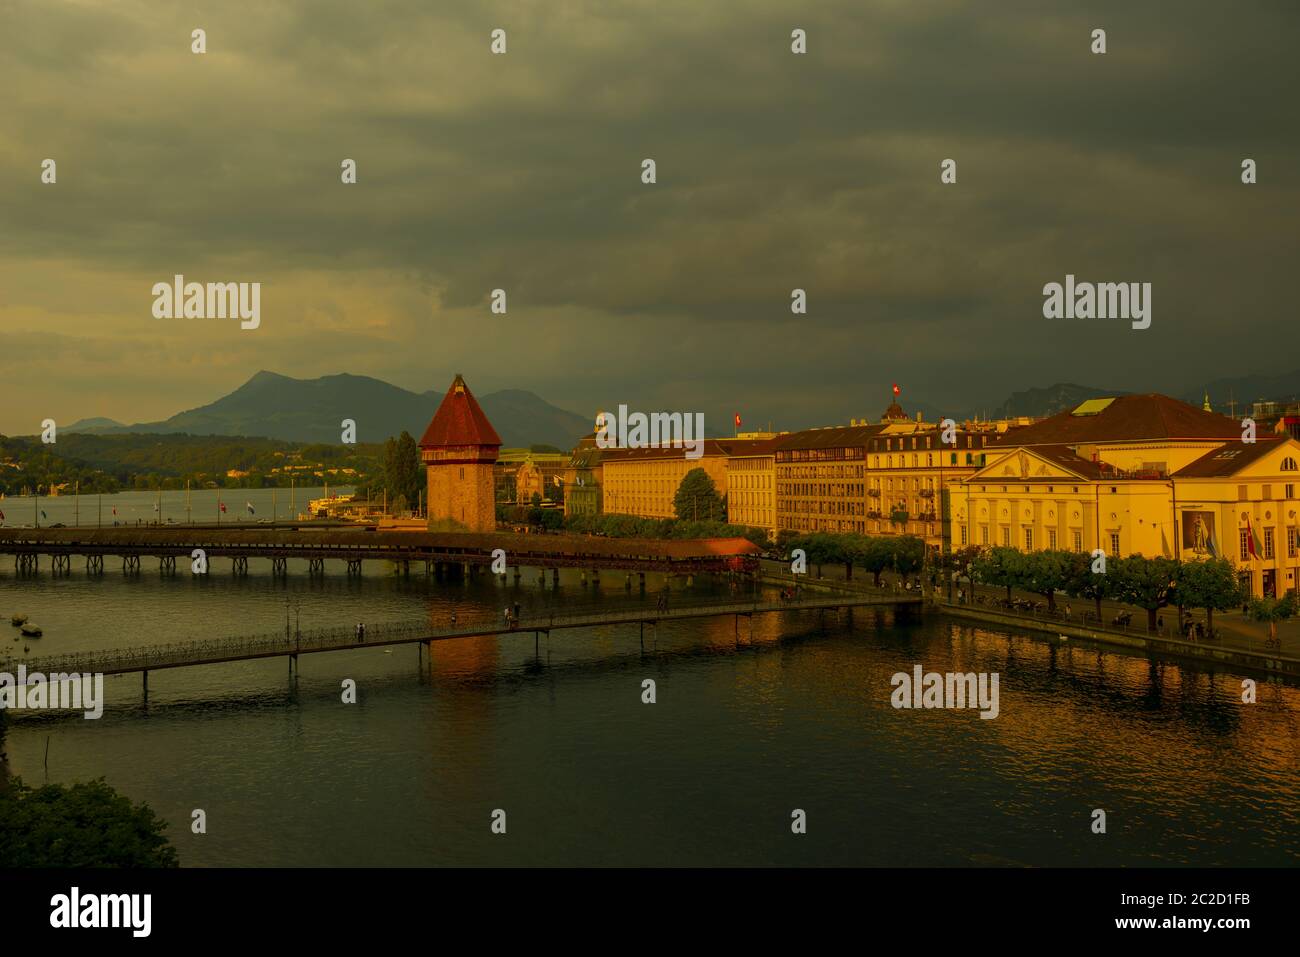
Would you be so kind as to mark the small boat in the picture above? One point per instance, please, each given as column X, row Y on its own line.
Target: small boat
column 1062, row 638
column 31, row 631
column 17, row 620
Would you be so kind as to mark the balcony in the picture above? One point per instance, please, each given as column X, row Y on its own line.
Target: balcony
column 927, row 493
column 873, row 492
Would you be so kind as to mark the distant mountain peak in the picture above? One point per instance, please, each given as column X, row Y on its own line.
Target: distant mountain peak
column 271, row 405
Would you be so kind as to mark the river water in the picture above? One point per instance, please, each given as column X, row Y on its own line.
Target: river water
column 796, row 715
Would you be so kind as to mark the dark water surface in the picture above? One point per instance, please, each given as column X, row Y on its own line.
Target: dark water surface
column 797, row 716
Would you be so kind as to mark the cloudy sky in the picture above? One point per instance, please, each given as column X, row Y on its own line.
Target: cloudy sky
column 522, row 171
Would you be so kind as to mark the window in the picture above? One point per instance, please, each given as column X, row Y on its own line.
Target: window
column 1029, row 539
column 1006, row 536
column 1078, row 542
column 1114, row 544
column 1268, row 493
column 1051, row 539
column 1245, row 548
column 1241, row 493
column 1291, row 536
column 1290, row 491
column 1288, row 464
column 984, row 534
column 963, row 538
column 1268, row 543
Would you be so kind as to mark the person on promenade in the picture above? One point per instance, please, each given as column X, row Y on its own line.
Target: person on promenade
column 453, row 617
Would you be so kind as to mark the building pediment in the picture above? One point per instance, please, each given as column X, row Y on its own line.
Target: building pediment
column 1029, row 465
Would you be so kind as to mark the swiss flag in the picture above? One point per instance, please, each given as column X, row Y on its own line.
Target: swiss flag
column 896, row 390
column 737, row 420
column 1250, row 540
column 223, row 506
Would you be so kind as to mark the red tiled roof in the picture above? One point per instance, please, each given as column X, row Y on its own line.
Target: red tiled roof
column 845, row 436
column 1229, row 459
column 459, row 421
column 1127, row 418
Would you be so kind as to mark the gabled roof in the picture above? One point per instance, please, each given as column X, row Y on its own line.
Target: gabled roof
column 1230, row 458
column 1127, row 418
column 459, row 421
column 1061, row 456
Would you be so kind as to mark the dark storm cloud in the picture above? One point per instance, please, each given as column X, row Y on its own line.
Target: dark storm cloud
column 775, row 171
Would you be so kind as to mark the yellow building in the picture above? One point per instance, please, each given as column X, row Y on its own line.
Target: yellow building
column 1142, row 474
column 643, row 482
column 910, row 477
column 821, row 479
column 751, row 485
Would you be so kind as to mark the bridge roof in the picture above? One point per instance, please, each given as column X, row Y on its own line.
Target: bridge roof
column 514, row 545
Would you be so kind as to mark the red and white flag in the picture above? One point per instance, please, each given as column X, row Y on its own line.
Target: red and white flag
column 737, row 420
column 223, row 505
column 1250, row 540
column 896, row 390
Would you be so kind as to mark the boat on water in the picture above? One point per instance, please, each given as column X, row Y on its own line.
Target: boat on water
column 17, row 620
column 31, row 630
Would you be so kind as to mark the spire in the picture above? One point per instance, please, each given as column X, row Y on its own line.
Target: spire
column 459, row 421
column 1206, row 404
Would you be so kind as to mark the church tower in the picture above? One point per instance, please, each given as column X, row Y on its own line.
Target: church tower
column 458, row 449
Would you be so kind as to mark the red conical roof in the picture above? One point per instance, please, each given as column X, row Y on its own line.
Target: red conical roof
column 459, row 421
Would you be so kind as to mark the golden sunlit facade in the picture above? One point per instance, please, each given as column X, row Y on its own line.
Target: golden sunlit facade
column 1196, row 491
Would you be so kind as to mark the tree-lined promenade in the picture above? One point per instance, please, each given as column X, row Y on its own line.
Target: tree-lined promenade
column 1148, row 584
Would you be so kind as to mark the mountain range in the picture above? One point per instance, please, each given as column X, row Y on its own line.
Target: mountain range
column 274, row 406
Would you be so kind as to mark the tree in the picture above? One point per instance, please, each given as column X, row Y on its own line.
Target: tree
column 999, row 565
column 876, row 556
column 87, row 824
column 1149, row 583
column 1083, row 583
column 1273, row 610
column 1210, row 584
column 1045, row 573
column 697, row 498
column 907, row 555
column 402, row 470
